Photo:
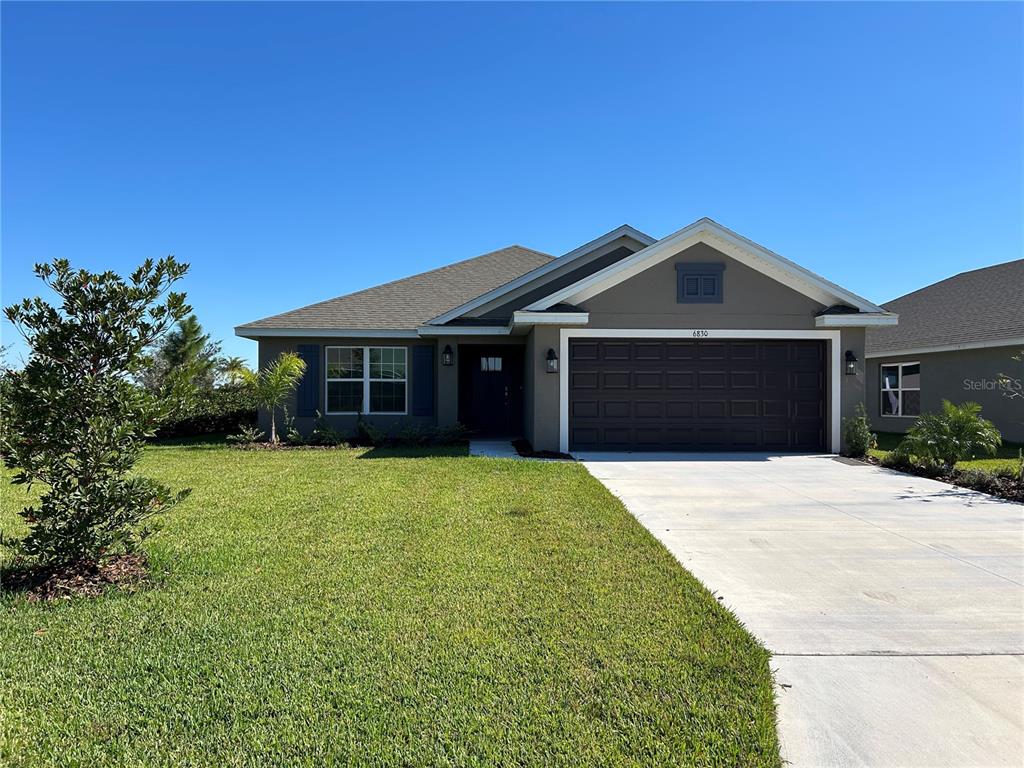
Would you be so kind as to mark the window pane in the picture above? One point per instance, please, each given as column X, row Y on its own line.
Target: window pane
column 344, row 362
column 387, row 396
column 890, row 403
column 911, row 403
column 344, row 396
column 890, row 376
column 495, row 363
column 911, row 376
column 691, row 286
column 387, row 363
column 708, row 286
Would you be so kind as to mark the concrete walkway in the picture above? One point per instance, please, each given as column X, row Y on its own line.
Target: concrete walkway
column 893, row 605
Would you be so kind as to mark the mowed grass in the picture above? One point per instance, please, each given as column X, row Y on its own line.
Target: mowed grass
column 348, row 607
column 1007, row 456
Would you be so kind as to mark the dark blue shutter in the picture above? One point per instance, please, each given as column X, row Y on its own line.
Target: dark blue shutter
column 422, row 381
column 307, row 396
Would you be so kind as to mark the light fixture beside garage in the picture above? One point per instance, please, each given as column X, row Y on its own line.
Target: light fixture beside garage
column 851, row 363
column 447, row 356
column 552, row 360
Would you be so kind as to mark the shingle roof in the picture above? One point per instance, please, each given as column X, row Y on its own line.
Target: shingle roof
column 979, row 306
column 412, row 301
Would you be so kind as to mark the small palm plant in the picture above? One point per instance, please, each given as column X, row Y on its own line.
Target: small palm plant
column 955, row 433
column 272, row 386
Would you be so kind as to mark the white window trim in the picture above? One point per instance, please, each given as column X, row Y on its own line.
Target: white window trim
column 834, row 366
column 366, row 380
column 899, row 390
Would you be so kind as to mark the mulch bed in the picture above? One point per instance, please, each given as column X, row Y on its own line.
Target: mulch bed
column 85, row 578
column 523, row 448
column 1010, row 488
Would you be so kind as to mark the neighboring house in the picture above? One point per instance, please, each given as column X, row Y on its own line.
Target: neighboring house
column 955, row 341
column 702, row 340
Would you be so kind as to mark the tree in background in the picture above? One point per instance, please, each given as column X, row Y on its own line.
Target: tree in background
column 75, row 421
column 273, row 384
column 186, row 351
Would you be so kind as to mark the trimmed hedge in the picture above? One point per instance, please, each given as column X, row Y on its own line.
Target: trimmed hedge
column 219, row 410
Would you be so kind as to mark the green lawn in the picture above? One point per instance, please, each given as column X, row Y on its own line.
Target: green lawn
column 1006, row 457
column 380, row 608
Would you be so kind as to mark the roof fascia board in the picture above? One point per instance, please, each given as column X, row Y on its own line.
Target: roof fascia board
column 520, row 317
column 710, row 232
column 367, row 333
column 861, row 319
column 1018, row 342
column 624, row 231
column 464, row 330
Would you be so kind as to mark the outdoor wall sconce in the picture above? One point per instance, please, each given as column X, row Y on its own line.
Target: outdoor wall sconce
column 851, row 363
column 552, row 362
column 447, row 356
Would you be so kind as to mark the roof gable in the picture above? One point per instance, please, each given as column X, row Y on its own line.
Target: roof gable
column 722, row 239
column 622, row 236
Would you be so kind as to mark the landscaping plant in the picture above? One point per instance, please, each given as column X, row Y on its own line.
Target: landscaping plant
column 272, row 386
column 955, row 433
column 74, row 421
column 857, row 435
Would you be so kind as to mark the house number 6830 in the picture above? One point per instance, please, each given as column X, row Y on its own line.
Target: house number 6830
column 700, row 334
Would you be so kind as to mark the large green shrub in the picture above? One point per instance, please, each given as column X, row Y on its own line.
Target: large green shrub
column 74, row 420
column 857, row 435
column 224, row 409
column 955, row 433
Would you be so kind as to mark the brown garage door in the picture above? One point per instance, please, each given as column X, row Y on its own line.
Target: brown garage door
column 650, row 395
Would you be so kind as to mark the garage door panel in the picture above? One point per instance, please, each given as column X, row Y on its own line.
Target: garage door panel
column 675, row 350
column 652, row 351
column 739, row 395
column 615, row 380
column 585, row 409
column 647, row 380
column 711, row 379
column 743, row 379
column 711, row 351
column 616, row 409
column 584, row 350
column 615, row 351
column 679, row 409
column 743, row 409
column 680, row 379
column 648, row 409
column 583, row 380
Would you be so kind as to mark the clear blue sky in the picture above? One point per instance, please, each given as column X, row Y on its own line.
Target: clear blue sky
column 292, row 153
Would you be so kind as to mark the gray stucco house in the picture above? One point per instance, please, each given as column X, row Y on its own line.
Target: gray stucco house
column 702, row 340
column 955, row 341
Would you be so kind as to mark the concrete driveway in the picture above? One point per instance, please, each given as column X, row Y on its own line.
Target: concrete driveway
column 893, row 605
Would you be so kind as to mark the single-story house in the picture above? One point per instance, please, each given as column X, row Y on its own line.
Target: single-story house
column 956, row 340
column 702, row 340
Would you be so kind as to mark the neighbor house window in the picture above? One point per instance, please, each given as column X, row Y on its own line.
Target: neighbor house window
column 366, row 380
column 699, row 283
column 901, row 389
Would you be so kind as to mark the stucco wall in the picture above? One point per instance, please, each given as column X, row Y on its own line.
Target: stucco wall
column 271, row 348
column 750, row 299
column 967, row 375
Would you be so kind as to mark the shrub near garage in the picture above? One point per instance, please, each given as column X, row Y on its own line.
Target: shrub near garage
column 955, row 433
